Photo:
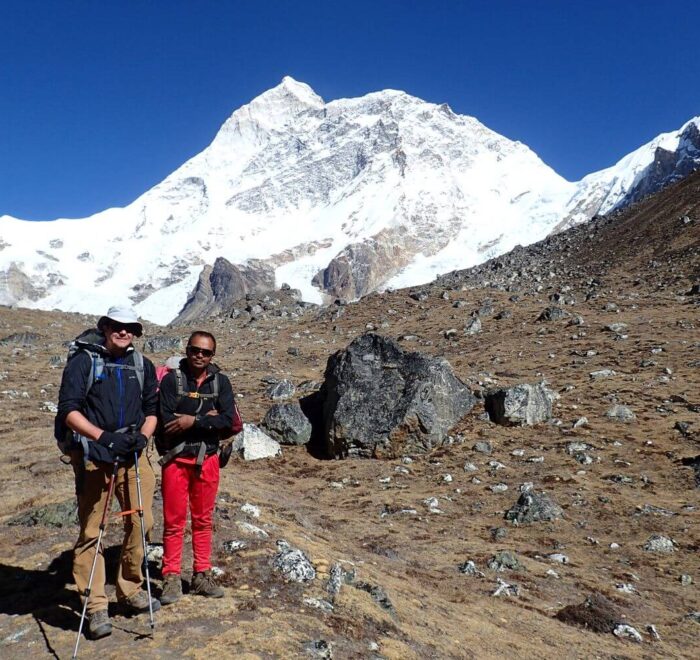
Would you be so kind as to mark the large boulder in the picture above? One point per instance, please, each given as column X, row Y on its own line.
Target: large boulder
column 520, row 404
column 286, row 423
column 378, row 400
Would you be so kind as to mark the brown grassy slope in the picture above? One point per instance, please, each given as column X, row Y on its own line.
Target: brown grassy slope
column 333, row 510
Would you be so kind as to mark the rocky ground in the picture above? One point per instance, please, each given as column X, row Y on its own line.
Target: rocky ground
column 389, row 541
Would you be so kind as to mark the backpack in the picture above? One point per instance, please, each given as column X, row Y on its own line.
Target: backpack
column 91, row 342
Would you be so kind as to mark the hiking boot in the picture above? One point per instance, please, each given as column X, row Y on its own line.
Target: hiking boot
column 204, row 584
column 139, row 603
column 172, row 589
column 99, row 625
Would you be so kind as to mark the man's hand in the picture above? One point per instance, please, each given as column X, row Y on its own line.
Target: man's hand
column 118, row 444
column 179, row 424
column 140, row 441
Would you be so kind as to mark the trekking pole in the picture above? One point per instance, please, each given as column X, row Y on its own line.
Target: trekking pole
column 103, row 524
column 143, row 540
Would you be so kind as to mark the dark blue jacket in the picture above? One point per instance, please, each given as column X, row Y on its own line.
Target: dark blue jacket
column 115, row 400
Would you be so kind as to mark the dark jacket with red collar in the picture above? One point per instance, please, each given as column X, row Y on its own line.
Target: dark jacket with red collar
column 207, row 428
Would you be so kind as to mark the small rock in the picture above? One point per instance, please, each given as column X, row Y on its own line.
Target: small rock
column 532, row 507
column 505, row 589
column 469, row 568
column 685, row 580
column 473, row 326
column 620, row 413
column 659, row 543
column 319, row 604
column 293, row 563
column 504, row 560
column 251, row 530
column 602, row 373
column 234, row 546
column 499, row 488
column 483, row 447
column 251, row 510
column 254, row 444
column 624, row 631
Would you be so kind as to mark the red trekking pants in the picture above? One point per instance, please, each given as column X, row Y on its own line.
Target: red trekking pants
column 182, row 482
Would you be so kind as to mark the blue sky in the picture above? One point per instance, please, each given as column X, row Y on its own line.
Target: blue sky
column 101, row 99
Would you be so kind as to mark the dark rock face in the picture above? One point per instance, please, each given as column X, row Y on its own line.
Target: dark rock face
column 224, row 283
column 163, row 345
column 379, row 400
column 533, row 507
column 521, row 404
column 286, row 423
column 668, row 166
column 355, row 271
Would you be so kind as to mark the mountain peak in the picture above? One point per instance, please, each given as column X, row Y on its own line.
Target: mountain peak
column 274, row 109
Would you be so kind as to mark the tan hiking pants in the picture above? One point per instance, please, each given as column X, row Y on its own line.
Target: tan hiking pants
column 92, row 485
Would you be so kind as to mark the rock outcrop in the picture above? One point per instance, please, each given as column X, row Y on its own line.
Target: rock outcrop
column 222, row 285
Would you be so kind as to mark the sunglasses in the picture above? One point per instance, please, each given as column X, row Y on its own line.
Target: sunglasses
column 196, row 350
column 131, row 328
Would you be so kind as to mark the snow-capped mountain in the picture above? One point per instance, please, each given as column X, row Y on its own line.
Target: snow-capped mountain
column 336, row 199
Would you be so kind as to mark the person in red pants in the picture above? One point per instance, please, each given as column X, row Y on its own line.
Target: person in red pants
column 197, row 410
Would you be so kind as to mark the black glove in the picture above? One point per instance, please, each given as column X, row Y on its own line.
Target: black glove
column 140, row 441
column 119, row 445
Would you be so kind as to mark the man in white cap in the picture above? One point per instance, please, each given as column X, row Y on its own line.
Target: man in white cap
column 110, row 412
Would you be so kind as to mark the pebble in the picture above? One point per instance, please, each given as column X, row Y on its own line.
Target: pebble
column 499, row 488
column 447, row 478
column 470, row 467
column 685, row 580
column 559, row 558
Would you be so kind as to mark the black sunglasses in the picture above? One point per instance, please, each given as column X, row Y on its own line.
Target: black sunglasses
column 204, row 352
column 131, row 328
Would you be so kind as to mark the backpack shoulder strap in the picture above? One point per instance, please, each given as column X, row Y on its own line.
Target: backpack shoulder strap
column 181, row 382
column 138, row 365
